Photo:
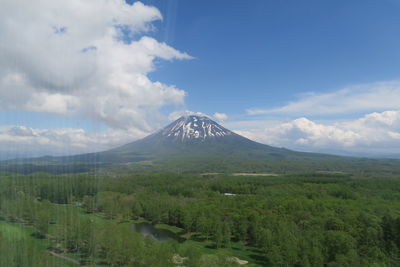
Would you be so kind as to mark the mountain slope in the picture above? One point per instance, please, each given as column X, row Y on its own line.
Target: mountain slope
column 194, row 144
column 188, row 137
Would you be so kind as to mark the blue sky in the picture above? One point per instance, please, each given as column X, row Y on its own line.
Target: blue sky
column 308, row 75
column 263, row 53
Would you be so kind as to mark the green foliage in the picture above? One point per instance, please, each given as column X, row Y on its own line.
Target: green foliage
column 293, row 220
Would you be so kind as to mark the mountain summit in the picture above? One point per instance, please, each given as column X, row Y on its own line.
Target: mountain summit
column 190, row 134
column 188, row 128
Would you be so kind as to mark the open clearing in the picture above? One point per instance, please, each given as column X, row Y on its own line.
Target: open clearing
column 254, row 174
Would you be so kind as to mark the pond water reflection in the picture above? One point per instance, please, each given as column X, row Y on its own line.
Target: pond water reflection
column 148, row 230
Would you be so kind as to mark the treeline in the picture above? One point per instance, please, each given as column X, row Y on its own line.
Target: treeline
column 303, row 220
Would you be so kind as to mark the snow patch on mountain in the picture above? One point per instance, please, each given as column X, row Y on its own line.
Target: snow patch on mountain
column 194, row 127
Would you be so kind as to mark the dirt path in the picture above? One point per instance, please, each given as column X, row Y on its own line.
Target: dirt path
column 64, row 257
column 237, row 260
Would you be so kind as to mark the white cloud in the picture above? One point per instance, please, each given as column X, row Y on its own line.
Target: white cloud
column 220, row 116
column 179, row 113
column 388, row 120
column 72, row 58
column 25, row 141
column 373, row 134
column 362, row 98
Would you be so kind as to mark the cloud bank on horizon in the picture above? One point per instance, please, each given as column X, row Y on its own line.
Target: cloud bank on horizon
column 375, row 133
column 92, row 59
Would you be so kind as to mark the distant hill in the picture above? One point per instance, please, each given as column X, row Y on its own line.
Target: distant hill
column 195, row 144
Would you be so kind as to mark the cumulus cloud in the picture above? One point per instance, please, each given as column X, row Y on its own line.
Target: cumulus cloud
column 88, row 59
column 361, row 98
column 22, row 141
column 388, row 120
column 376, row 133
column 220, row 116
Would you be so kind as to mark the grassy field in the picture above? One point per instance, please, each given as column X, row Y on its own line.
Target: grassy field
column 20, row 248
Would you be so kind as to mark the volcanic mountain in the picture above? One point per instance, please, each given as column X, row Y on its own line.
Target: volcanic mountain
column 197, row 143
column 189, row 144
column 188, row 136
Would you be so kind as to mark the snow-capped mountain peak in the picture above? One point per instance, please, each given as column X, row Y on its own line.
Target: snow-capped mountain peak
column 194, row 127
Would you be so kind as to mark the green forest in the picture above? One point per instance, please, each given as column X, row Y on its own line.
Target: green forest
column 305, row 219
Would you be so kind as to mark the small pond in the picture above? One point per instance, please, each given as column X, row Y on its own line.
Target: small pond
column 148, row 230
